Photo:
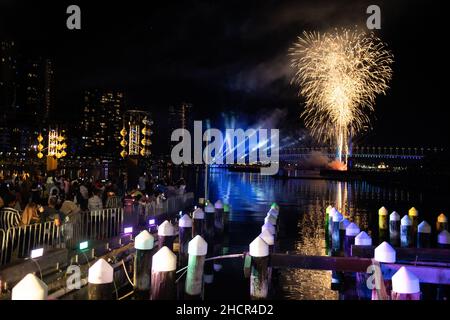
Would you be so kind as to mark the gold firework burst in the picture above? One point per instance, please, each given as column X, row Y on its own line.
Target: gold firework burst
column 339, row 74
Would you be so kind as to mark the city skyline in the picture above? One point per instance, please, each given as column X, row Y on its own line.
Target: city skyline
column 231, row 68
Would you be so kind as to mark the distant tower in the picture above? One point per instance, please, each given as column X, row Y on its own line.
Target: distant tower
column 180, row 117
column 48, row 88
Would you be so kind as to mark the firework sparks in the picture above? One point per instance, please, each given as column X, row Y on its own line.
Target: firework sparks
column 339, row 74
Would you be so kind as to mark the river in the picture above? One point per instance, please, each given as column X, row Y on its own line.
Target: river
column 302, row 206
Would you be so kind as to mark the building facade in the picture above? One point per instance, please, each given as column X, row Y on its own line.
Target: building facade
column 101, row 122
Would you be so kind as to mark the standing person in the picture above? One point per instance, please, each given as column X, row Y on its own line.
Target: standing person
column 66, row 186
column 112, row 201
column 68, row 207
column 51, row 213
column 95, row 202
column 141, row 183
column 9, row 217
column 30, row 214
column 84, row 196
column 36, row 193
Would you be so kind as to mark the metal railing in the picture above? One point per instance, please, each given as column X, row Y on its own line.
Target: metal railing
column 171, row 204
column 18, row 242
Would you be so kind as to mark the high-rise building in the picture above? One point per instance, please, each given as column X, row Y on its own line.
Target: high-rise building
column 180, row 117
column 48, row 88
column 8, row 78
column 101, row 122
column 26, row 97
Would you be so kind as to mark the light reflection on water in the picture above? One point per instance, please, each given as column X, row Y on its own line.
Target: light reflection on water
column 303, row 204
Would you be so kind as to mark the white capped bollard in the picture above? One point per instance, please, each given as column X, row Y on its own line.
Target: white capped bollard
column 226, row 216
column 363, row 239
column 270, row 219
column 273, row 212
column 166, row 235
column 342, row 227
column 423, row 235
column 210, row 212
column 351, row 232
column 219, row 221
column 406, row 234
column 100, row 281
column 268, row 238
column 164, row 266
column 444, row 240
column 275, row 206
column 413, row 214
column 337, row 218
column 143, row 243
column 382, row 218
column 394, row 228
column 259, row 277
column 405, row 285
column 197, row 250
column 333, row 211
column 30, row 288
column 198, row 222
column 385, row 253
column 328, row 210
column 201, row 202
column 441, row 223
column 184, row 236
column 268, row 227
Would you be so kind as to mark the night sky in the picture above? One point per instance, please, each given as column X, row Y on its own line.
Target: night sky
column 225, row 56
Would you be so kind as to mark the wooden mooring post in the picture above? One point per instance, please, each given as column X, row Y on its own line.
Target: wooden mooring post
column 405, row 285
column 259, row 276
column 394, row 229
column 143, row 243
column 197, row 250
column 406, row 232
column 441, row 223
column 383, row 225
column 100, row 281
column 184, row 236
column 166, row 235
column 209, row 238
column 423, row 235
column 198, row 222
column 351, row 232
column 30, row 288
column 218, row 218
column 164, row 266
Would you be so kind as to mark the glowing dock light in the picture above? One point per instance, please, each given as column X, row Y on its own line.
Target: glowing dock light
column 36, row 253
column 128, row 230
column 84, row 245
